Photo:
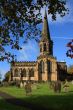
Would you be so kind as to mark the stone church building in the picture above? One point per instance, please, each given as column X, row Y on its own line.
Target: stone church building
column 46, row 68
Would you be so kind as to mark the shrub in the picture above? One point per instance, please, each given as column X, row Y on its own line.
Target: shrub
column 6, row 84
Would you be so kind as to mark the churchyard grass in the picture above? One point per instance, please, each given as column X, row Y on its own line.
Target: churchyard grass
column 44, row 96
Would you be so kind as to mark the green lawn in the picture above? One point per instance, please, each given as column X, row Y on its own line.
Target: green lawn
column 44, row 96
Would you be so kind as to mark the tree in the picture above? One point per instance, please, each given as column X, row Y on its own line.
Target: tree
column 23, row 16
column 7, row 76
column 70, row 51
column 0, row 77
column 70, row 69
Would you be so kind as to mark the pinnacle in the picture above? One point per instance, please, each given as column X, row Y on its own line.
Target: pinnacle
column 45, row 31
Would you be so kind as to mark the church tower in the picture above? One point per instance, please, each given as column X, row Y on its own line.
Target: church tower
column 47, row 65
column 46, row 44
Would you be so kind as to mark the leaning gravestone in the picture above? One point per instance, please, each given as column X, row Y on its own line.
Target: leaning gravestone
column 21, row 85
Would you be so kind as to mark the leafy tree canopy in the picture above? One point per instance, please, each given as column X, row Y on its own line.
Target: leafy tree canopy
column 23, row 16
column 0, row 76
column 7, row 76
column 70, row 69
column 70, row 50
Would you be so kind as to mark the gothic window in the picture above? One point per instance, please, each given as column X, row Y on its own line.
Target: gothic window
column 41, row 67
column 49, row 66
column 16, row 73
column 31, row 73
column 51, row 48
column 45, row 47
column 23, row 73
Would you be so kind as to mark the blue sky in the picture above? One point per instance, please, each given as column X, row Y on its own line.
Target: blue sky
column 61, row 32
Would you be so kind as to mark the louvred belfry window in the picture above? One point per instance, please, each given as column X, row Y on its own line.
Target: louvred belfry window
column 45, row 47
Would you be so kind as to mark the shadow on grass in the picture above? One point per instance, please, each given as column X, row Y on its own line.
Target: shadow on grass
column 52, row 102
column 4, row 105
column 39, row 102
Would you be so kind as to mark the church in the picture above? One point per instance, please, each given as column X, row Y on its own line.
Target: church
column 46, row 68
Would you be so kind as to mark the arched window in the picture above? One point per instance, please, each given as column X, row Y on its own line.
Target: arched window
column 41, row 67
column 16, row 73
column 31, row 73
column 23, row 72
column 45, row 47
column 49, row 64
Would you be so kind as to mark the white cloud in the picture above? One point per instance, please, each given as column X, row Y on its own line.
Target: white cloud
column 28, row 52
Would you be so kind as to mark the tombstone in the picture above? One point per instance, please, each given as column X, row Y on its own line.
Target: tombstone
column 72, row 81
column 28, row 89
column 24, row 84
column 57, row 87
column 21, row 85
column 66, row 86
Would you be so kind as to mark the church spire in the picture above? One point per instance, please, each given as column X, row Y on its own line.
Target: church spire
column 46, row 44
column 45, row 31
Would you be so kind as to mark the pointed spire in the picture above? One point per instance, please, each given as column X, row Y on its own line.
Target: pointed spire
column 45, row 15
column 45, row 31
